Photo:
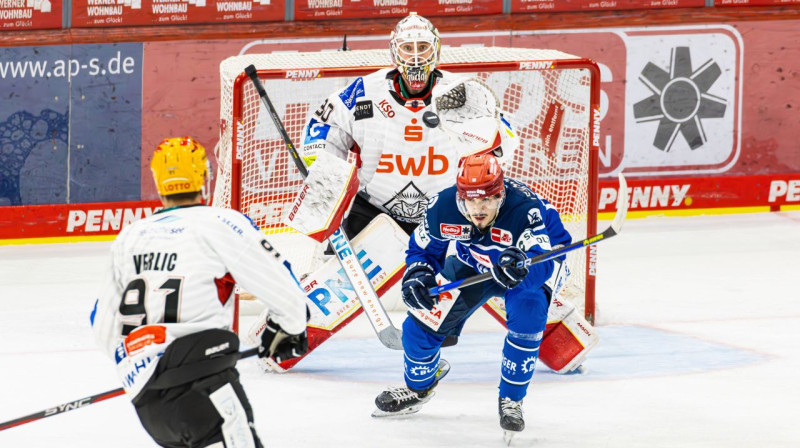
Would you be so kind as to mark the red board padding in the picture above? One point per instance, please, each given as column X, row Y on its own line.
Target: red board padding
column 64, row 220
column 596, row 5
column 349, row 9
column 686, row 193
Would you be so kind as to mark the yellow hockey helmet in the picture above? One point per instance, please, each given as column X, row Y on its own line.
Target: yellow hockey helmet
column 179, row 165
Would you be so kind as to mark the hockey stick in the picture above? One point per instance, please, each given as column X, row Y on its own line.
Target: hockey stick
column 612, row 230
column 388, row 334
column 83, row 402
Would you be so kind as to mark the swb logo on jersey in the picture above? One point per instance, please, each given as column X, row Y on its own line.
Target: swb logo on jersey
column 501, row 236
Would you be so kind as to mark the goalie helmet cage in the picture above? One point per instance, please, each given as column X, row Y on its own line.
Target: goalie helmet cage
column 551, row 98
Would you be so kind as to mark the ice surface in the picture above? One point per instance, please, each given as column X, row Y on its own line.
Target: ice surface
column 699, row 320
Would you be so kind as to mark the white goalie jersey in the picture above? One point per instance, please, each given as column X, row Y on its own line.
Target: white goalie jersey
column 173, row 274
column 402, row 162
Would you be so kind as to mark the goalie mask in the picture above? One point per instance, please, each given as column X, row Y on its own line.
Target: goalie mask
column 480, row 187
column 179, row 165
column 415, row 48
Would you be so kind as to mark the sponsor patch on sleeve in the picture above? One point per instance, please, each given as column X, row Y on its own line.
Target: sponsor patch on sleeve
column 535, row 217
column 363, row 110
column 421, row 235
column 352, row 93
column 529, row 240
column 316, row 131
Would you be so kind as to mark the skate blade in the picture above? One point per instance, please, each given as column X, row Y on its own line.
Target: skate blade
column 508, row 436
column 377, row 413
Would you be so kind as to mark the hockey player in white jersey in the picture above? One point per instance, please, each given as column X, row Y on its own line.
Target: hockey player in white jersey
column 379, row 117
column 166, row 311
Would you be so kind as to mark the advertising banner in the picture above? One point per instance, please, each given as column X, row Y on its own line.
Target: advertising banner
column 597, row 5
column 718, row 192
column 672, row 97
column 30, row 14
column 755, row 2
column 352, row 9
column 70, row 125
column 71, row 220
column 98, row 13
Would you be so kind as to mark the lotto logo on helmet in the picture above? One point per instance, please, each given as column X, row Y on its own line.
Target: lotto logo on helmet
column 177, row 186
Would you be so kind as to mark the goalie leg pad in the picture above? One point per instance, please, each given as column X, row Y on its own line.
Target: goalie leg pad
column 380, row 248
column 422, row 352
column 568, row 338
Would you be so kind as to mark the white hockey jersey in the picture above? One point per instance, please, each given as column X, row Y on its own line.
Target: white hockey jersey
column 403, row 163
column 173, row 274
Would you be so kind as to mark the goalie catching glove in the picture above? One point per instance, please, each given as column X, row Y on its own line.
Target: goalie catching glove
column 281, row 346
column 506, row 272
column 417, row 281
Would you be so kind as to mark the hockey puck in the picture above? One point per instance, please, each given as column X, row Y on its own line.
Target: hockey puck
column 430, row 119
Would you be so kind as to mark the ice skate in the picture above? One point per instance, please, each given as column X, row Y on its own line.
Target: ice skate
column 510, row 418
column 395, row 401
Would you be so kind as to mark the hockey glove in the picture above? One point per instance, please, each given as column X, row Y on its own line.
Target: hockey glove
column 506, row 272
column 418, row 279
column 279, row 345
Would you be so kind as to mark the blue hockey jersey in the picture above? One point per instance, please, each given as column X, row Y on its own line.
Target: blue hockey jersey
column 525, row 220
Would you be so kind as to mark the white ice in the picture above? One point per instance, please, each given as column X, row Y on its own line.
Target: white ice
column 699, row 319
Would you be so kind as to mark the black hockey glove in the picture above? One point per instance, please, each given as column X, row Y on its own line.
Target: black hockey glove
column 505, row 272
column 418, row 279
column 281, row 346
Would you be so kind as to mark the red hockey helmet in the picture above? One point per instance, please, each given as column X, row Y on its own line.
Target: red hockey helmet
column 479, row 176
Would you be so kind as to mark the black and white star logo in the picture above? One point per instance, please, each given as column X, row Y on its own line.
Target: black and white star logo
column 680, row 99
column 408, row 204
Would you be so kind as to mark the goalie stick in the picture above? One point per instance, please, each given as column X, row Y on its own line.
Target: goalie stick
column 612, row 230
column 388, row 334
column 83, row 402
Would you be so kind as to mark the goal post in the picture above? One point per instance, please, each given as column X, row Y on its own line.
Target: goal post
column 552, row 99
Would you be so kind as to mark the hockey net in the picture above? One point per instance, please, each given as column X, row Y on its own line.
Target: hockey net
column 550, row 98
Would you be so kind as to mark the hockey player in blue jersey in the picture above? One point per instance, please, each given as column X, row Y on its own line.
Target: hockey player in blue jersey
column 495, row 223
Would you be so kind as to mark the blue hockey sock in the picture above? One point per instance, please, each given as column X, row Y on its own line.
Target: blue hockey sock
column 421, row 373
column 517, row 369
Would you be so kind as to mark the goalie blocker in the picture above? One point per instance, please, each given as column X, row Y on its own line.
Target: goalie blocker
column 323, row 200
